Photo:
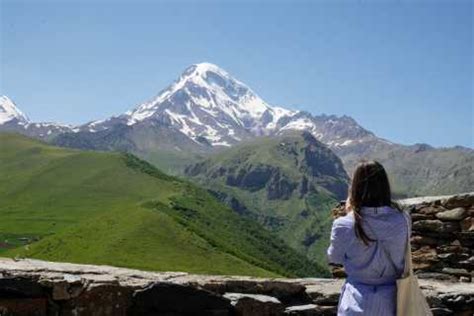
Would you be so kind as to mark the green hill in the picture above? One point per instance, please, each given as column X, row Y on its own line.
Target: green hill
column 287, row 183
column 109, row 208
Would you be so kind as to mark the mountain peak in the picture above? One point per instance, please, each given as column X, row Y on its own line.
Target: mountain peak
column 202, row 68
column 206, row 101
column 9, row 111
column 211, row 76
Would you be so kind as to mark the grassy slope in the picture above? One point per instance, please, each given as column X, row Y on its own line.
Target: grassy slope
column 296, row 227
column 171, row 162
column 298, row 218
column 108, row 208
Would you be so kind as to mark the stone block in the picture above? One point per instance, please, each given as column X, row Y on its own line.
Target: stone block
column 174, row 299
column 254, row 304
column 456, row 214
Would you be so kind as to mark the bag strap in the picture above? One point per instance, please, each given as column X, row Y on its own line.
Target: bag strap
column 408, row 268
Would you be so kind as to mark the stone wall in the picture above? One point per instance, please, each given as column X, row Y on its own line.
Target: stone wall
column 442, row 236
column 33, row 287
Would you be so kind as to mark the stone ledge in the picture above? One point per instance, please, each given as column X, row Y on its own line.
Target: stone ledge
column 34, row 287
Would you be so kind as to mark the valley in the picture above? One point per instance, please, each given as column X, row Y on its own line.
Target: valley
column 287, row 183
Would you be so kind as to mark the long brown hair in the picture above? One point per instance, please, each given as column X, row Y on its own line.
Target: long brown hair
column 370, row 187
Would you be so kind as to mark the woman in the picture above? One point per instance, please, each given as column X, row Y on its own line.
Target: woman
column 370, row 242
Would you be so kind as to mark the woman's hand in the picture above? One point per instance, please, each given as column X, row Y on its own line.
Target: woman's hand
column 348, row 206
column 342, row 209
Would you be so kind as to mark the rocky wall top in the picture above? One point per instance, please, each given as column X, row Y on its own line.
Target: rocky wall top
column 33, row 287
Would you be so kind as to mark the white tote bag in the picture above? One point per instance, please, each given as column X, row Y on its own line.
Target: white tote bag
column 410, row 299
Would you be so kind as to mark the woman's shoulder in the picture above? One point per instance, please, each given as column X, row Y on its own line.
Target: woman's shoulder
column 346, row 221
column 398, row 213
column 397, row 218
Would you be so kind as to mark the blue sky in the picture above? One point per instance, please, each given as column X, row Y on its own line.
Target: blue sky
column 403, row 69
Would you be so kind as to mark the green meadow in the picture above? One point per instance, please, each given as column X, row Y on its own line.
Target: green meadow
column 110, row 208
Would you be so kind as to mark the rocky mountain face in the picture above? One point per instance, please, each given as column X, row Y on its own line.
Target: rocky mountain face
column 206, row 109
column 13, row 120
column 33, row 287
column 288, row 183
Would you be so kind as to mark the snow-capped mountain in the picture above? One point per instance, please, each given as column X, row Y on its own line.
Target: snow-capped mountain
column 210, row 107
column 9, row 113
column 205, row 104
column 12, row 119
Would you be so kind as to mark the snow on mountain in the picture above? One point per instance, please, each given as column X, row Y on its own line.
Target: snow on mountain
column 210, row 107
column 302, row 123
column 222, row 93
column 45, row 130
column 13, row 120
column 207, row 102
column 9, row 112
